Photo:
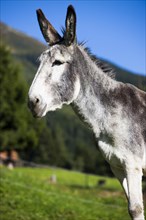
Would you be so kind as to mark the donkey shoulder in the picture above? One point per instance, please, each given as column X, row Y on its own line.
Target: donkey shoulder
column 133, row 102
column 130, row 97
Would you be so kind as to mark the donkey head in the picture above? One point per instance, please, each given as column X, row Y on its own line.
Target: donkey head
column 55, row 82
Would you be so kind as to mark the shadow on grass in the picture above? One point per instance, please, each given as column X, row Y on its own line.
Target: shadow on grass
column 86, row 187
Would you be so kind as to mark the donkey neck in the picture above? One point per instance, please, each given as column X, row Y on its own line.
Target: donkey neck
column 95, row 88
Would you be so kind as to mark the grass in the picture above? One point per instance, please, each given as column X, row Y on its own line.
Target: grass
column 27, row 194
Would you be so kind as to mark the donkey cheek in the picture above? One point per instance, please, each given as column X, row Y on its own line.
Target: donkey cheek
column 66, row 94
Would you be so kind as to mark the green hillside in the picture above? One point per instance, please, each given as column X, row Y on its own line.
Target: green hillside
column 28, row 194
column 23, row 47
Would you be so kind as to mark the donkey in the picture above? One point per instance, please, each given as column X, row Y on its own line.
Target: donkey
column 115, row 111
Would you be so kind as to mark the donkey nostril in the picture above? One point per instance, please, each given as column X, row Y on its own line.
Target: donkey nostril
column 37, row 101
column 33, row 102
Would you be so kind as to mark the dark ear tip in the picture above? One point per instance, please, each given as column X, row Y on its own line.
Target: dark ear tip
column 71, row 8
column 39, row 12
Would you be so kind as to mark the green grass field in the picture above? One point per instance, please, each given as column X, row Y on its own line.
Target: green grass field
column 27, row 194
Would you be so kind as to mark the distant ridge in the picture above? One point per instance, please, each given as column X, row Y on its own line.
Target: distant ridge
column 27, row 49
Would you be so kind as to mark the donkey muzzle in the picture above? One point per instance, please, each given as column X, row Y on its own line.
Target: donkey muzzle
column 36, row 106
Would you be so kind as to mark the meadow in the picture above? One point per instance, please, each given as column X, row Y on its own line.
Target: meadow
column 28, row 194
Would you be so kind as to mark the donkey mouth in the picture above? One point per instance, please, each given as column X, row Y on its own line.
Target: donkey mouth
column 39, row 113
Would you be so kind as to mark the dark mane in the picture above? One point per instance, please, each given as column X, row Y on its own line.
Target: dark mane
column 106, row 68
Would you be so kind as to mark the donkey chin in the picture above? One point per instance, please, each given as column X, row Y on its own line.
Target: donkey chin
column 41, row 112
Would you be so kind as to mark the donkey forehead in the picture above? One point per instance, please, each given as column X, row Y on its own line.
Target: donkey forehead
column 57, row 52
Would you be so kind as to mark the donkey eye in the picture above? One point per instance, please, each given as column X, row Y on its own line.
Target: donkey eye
column 57, row 63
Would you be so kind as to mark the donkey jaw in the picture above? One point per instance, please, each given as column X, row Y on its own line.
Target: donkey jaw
column 43, row 112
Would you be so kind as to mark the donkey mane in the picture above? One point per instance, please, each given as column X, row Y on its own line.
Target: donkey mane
column 103, row 65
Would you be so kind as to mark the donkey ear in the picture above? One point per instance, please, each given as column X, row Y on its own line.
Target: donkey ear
column 70, row 33
column 48, row 31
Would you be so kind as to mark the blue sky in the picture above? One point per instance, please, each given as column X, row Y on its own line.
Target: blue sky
column 114, row 30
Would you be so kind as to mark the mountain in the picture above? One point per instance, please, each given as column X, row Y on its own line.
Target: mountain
column 24, row 48
column 27, row 50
